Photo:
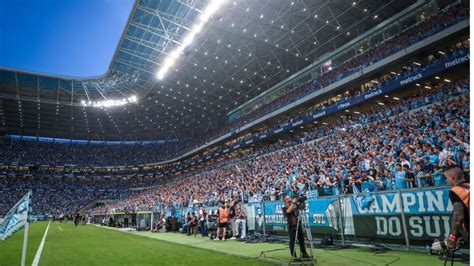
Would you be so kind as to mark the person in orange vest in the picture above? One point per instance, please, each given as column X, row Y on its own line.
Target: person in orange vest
column 223, row 220
column 459, row 196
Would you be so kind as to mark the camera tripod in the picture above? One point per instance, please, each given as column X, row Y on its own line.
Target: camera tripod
column 305, row 226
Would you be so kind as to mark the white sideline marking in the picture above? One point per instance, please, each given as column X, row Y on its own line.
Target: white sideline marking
column 40, row 249
column 60, row 229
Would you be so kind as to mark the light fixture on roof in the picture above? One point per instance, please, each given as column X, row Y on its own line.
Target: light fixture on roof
column 111, row 103
column 207, row 13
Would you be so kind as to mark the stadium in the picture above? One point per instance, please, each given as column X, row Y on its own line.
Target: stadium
column 238, row 132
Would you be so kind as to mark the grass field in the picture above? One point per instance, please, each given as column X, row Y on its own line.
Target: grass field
column 91, row 245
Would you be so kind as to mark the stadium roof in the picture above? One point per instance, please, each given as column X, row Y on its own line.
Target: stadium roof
column 244, row 49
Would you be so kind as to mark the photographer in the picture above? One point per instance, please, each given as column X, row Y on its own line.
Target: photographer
column 291, row 212
column 193, row 224
column 459, row 196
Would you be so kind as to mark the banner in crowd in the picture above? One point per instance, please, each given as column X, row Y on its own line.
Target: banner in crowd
column 322, row 215
column 375, row 216
column 254, row 214
column 427, row 215
column 16, row 218
column 273, row 215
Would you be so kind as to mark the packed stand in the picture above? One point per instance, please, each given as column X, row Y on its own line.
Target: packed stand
column 52, row 197
column 395, row 146
column 50, row 153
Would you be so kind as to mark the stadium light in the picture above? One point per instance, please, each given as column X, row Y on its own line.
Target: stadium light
column 110, row 103
column 206, row 14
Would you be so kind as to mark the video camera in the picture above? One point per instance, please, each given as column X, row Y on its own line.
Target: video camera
column 300, row 201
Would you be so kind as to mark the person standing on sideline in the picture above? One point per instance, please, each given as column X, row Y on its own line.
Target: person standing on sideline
column 241, row 220
column 223, row 220
column 202, row 220
column 459, row 196
column 233, row 218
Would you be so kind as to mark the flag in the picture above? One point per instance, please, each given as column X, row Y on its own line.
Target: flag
column 16, row 218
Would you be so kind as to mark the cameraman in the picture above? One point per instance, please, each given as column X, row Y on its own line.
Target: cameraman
column 291, row 212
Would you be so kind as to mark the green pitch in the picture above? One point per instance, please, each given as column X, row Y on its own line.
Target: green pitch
column 91, row 245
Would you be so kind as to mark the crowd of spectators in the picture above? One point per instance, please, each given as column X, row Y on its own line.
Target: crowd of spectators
column 389, row 147
column 395, row 146
column 458, row 49
column 52, row 153
column 63, row 196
